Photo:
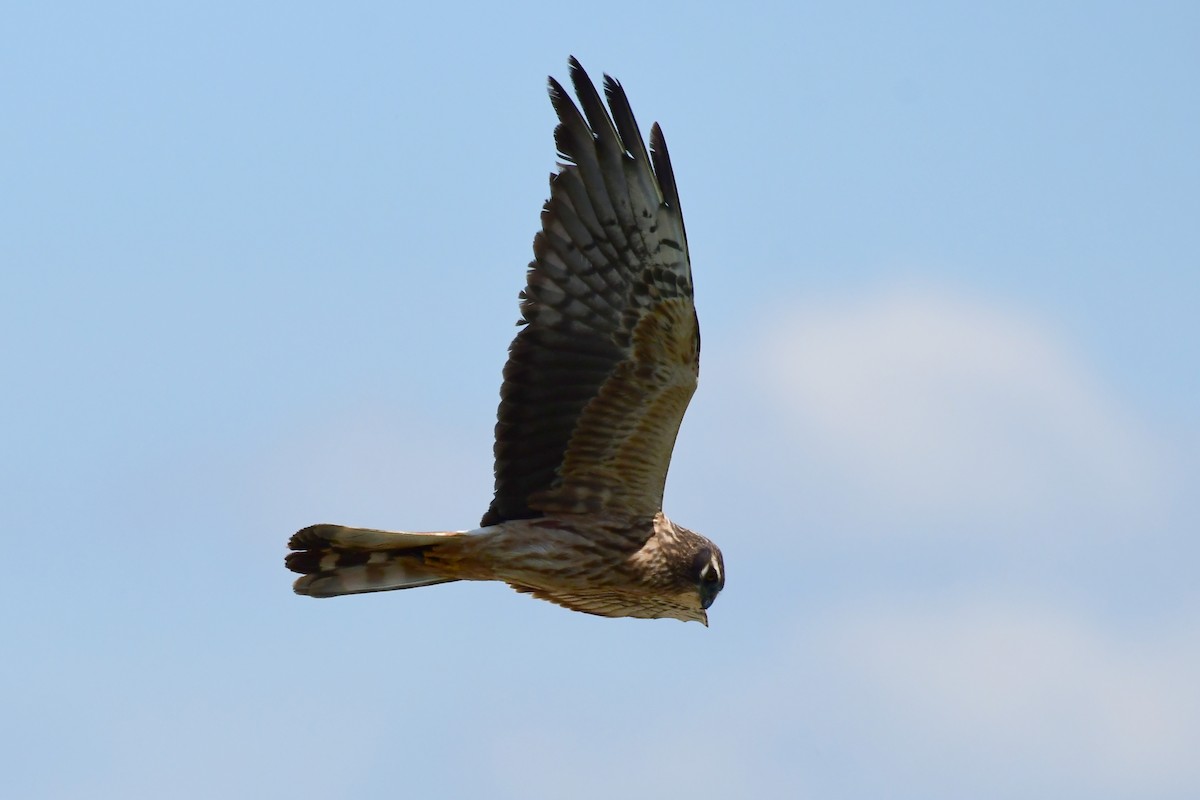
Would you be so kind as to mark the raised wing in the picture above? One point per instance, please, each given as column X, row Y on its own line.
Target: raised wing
column 598, row 380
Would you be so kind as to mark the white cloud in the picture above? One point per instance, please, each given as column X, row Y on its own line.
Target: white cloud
column 939, row 401
column 1005, row 691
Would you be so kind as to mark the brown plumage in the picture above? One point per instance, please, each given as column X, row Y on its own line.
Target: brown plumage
column 595, row 387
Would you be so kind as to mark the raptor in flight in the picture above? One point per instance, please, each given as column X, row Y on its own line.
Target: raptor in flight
column 595, row 387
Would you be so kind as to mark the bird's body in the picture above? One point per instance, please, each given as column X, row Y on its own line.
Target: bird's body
column 615, row 568
column 594, row 390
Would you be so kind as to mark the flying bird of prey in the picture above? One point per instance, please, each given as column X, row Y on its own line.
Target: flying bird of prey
column 595, row 387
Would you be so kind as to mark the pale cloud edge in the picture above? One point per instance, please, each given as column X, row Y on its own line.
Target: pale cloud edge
column 929, row 398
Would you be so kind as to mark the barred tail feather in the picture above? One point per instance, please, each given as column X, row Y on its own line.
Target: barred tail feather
column 335, row 560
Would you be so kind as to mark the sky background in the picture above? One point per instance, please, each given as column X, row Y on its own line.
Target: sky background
column 260, row 265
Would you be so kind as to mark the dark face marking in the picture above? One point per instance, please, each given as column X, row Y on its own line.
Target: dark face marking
column 708, row 571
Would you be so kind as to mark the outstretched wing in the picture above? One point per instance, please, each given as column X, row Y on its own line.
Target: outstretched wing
column 598, row 380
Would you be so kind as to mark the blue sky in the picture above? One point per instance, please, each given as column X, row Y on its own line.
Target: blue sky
column 260, row 266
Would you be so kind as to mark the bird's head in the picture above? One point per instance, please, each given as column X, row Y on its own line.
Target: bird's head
column 680, row 574
column 701, row 578
column 697, row 584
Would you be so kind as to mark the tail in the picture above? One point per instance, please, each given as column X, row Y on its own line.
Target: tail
column 336, row 560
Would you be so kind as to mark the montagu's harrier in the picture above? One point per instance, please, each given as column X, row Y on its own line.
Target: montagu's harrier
column 595, row 387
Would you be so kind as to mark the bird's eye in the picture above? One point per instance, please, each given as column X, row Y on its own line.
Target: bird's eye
column 710, row 572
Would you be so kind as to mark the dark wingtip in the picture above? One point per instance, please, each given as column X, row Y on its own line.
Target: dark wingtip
column 556, row 90
column 577, row 73
column 662, row 167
